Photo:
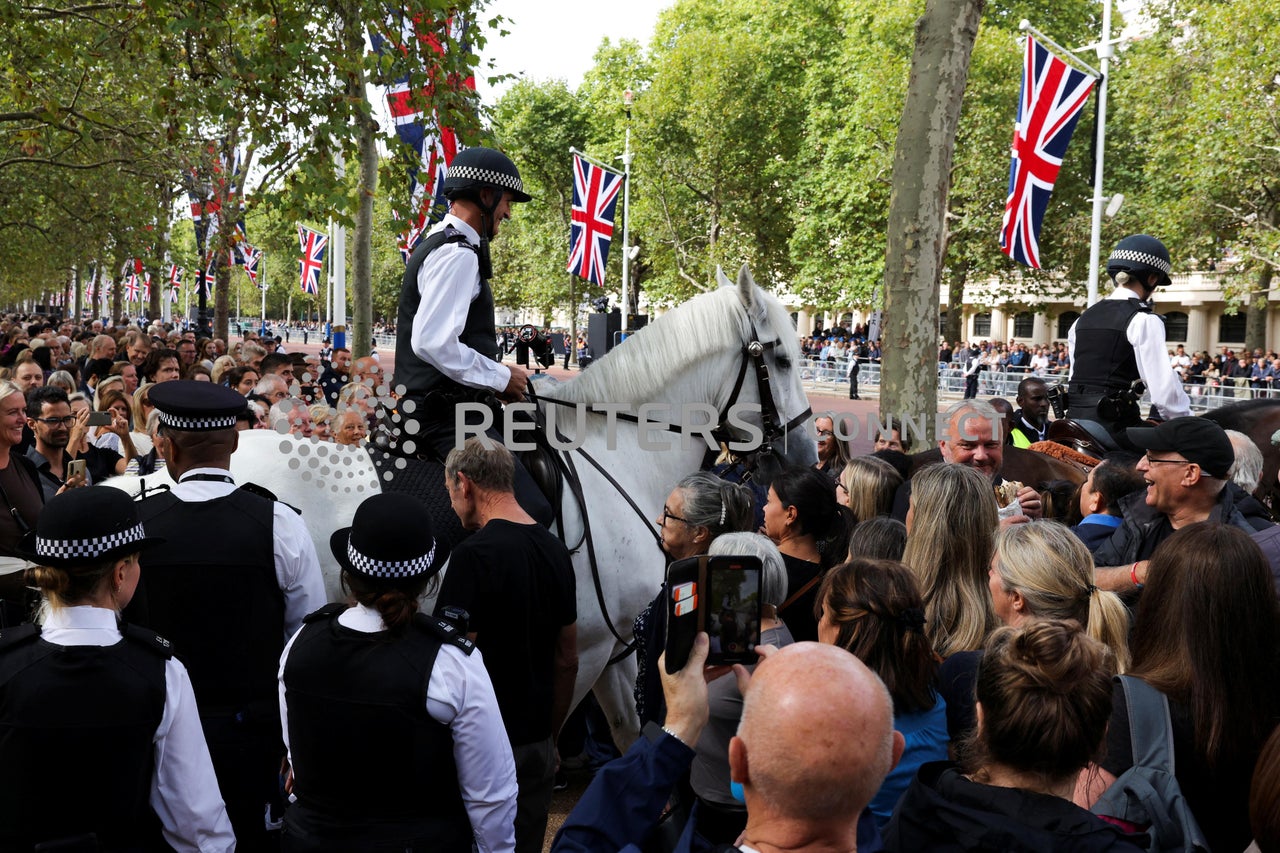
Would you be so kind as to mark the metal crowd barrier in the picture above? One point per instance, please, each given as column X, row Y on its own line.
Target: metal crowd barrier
column 830, row 377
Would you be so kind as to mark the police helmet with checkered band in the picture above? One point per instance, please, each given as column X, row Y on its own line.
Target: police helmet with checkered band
column 86, row 526
column 1140, row 255
column 390, row 538
column 478, row 168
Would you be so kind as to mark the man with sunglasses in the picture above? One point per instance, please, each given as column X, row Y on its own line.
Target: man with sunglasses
column 59, row 439
column 1185, row 467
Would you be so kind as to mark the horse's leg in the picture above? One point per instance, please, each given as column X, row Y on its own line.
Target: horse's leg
column 615, row 691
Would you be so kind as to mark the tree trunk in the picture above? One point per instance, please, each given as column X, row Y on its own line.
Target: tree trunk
column 117, row 285
column 917, row 207
column 955, row 302
column 1255, row 325
column 362, row 253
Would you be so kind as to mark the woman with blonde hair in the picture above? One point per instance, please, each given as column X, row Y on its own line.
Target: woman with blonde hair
column 1040, row 570
column 84, row 690
column 951, row 525
column 867, row 486
column 221, row 365
column 322, row 421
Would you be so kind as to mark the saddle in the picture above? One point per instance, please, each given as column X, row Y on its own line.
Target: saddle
column 1088, row 437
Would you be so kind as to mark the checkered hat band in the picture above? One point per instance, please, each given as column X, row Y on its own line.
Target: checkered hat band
column 72, row 549
column 384, row 569
column 1142, row 258
column 488, row 176
column 196, row 424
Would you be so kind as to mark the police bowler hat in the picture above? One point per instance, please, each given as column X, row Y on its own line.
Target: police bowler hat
column 85, row 526
column 390, row 538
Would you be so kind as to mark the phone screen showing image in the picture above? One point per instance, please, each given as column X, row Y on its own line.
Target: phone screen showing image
column 732, row 607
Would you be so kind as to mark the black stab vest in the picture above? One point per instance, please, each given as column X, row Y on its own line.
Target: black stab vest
column 76, row 731
column 370, row 690
column 211, row 588
column 1104, row 358
column 478, row 332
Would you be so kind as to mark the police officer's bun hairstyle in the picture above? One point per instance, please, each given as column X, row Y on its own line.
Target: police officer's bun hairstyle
column 1045, row 692
column 395, row 600
column 716, row 504
column 67, row 587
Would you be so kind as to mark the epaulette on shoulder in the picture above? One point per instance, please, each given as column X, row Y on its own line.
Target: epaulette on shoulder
column 150, row 639
column 18, row 634
column 264, row 492
column 326, row 612
column 445, row 631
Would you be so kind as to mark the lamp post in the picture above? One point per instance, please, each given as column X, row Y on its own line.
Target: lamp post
column 628, row 97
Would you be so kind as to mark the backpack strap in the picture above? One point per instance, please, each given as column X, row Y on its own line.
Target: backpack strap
column 1150, row 728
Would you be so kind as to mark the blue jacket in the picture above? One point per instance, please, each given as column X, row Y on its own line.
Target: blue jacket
column 625, row 799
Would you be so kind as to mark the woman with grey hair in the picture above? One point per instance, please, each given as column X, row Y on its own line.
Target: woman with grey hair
column 721, row 817
column 700, row 507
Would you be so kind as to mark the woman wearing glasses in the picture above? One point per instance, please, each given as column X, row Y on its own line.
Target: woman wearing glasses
column 699, row 508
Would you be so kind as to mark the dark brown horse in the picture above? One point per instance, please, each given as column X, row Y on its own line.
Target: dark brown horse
column 1041, row 472
column 1260, row 420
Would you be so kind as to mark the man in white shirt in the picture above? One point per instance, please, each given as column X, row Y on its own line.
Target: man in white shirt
column 1120, row 340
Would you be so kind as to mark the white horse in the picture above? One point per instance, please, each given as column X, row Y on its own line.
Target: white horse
column 698, row 358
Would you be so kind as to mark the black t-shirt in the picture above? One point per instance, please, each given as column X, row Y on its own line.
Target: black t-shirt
column 1219, row 800
column 517, row 583
column 798, row 615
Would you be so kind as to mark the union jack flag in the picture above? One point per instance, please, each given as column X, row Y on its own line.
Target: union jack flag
column 175, row 276
column 88, row 290
column 131, row 288
column 312, row 244
column 433, row 146
column 595, row 197
column 1053, row 94
column 209, row 277
column 251, row 258
column 146, row 287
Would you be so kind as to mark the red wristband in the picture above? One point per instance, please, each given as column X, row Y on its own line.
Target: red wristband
column 1133, row 575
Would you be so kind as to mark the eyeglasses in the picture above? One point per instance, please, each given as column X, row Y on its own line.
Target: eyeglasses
column 63, row 421
column 1151, row 461
column 667, row 514
column 825, row 433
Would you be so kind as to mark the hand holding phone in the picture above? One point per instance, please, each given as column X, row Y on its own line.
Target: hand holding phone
column 719, row 595
column 77, row 473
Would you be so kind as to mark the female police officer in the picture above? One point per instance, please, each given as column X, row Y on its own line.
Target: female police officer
column 394, row 733
column 100, row 740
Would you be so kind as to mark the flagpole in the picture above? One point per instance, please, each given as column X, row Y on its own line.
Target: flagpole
column 262, row 279
column 627, row 98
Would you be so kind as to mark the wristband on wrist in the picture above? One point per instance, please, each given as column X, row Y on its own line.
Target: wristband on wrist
column 1133, row 575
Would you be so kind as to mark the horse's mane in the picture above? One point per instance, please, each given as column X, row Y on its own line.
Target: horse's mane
column 636, row 371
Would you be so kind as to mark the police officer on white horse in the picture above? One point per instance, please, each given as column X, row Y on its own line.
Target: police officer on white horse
column 1120, row 340
column 234, row 579
column 446, row 341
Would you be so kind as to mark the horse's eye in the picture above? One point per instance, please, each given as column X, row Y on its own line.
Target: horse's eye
column 783, row 363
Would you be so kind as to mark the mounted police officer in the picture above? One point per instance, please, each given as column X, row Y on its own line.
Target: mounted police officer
column 234, row 579
column 446, row 340
column 1120, row 339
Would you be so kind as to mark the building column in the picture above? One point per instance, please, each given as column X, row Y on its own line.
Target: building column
column 804, row 323
column 1040, row 329
column 999, row 326
column 1198, row 330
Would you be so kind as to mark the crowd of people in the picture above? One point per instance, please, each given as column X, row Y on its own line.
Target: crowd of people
column 329, row 396
column 1020, row 656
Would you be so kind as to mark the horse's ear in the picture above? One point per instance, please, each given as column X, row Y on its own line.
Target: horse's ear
column 721, row 278
column 747, row 291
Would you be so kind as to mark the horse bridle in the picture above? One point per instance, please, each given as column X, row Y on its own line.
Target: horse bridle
column 752, row 355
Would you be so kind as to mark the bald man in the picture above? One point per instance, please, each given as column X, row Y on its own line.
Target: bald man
column 815, row 743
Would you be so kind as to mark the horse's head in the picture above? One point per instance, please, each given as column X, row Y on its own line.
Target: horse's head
column 771, row 361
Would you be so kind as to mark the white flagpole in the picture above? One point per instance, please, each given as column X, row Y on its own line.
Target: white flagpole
column 262, row 280
column 626, row 210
